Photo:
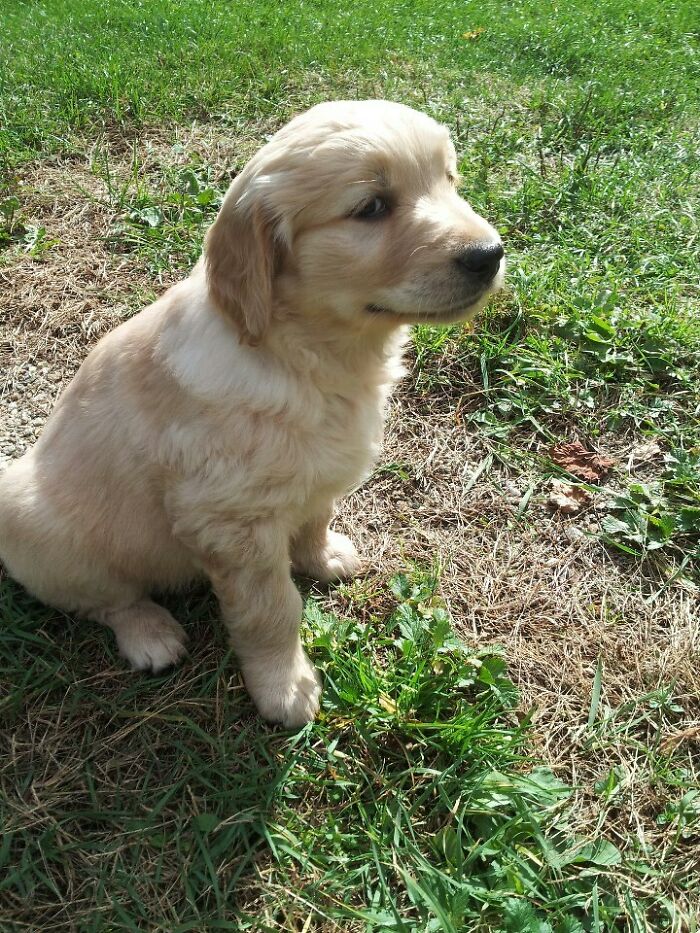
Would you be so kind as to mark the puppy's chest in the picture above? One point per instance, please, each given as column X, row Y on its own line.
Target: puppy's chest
column 345, row 443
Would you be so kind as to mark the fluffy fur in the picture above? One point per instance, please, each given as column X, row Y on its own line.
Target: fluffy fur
column 212, row 433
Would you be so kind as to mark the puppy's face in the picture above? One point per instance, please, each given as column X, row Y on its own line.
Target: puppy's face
column 360, row 202
column 386, row 234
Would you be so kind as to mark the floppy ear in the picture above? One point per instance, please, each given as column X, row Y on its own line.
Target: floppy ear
column 240, row 261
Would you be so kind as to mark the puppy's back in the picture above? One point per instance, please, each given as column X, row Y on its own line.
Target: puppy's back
column 82, row 515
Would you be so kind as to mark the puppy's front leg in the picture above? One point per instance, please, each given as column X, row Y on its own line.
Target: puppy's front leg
column 262, row 611
column 322, row 554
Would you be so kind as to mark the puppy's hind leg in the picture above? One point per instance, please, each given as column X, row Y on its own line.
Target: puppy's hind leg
column 147, row 635
column 322, row 554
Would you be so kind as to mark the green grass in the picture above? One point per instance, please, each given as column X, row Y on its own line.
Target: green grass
column 413, row 804
column 67, row 65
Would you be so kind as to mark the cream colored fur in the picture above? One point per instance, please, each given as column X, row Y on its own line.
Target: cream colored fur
column 211, row 434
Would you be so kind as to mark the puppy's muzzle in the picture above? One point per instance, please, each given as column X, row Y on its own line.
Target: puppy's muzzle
column 480, row 263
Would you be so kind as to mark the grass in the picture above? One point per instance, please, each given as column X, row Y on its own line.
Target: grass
column 410, row 805
column 447, row 785
column 245, row 61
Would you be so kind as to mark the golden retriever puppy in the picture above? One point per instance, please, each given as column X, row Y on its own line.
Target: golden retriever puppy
column 212, row 433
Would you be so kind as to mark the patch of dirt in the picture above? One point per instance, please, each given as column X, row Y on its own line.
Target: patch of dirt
column 538, row 584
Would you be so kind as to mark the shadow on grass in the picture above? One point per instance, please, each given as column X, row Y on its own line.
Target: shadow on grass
column 126, row 798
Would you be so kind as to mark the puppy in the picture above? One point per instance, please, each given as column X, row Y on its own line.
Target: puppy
column 212, row 433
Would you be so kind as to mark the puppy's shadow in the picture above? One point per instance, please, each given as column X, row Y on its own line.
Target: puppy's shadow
column 175, row 771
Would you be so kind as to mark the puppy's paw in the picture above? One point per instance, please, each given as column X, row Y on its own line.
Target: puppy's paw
column 337, row 560
column 290, row 696
column 341, row 558
column 152, row 642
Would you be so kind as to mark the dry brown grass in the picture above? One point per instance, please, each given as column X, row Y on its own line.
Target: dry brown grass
column 54, row 307
column 538, row 585
column 557, row 602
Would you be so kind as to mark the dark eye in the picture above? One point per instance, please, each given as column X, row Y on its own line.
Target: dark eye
column 375, row 207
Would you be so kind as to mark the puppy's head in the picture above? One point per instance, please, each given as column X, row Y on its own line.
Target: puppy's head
column 352, row 210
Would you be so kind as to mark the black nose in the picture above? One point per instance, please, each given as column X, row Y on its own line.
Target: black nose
column 481, row 262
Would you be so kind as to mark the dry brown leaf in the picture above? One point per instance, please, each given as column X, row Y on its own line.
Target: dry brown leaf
column 582, row 463
column 567, row 499
column 692, row 734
